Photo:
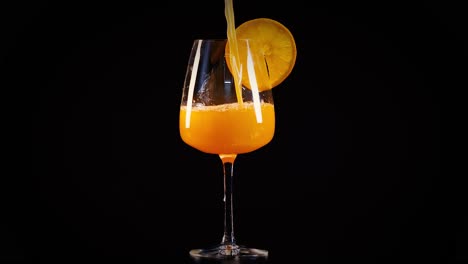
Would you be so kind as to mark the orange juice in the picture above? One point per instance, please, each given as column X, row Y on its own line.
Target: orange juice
column 228, row 128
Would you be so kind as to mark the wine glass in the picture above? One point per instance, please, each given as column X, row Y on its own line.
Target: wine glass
column 220, row 116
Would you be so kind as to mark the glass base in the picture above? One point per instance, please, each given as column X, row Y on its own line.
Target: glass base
column 229, row 251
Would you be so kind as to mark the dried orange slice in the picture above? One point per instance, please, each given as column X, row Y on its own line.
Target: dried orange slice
column 273, row 50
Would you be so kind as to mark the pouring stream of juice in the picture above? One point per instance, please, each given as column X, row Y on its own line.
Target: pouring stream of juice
column 234, row 51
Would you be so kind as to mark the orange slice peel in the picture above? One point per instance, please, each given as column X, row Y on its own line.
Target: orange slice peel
column 272, row 48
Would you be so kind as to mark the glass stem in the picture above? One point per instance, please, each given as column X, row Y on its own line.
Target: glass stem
column 228, row 170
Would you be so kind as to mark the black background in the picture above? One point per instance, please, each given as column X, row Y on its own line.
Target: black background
column 353, row 173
